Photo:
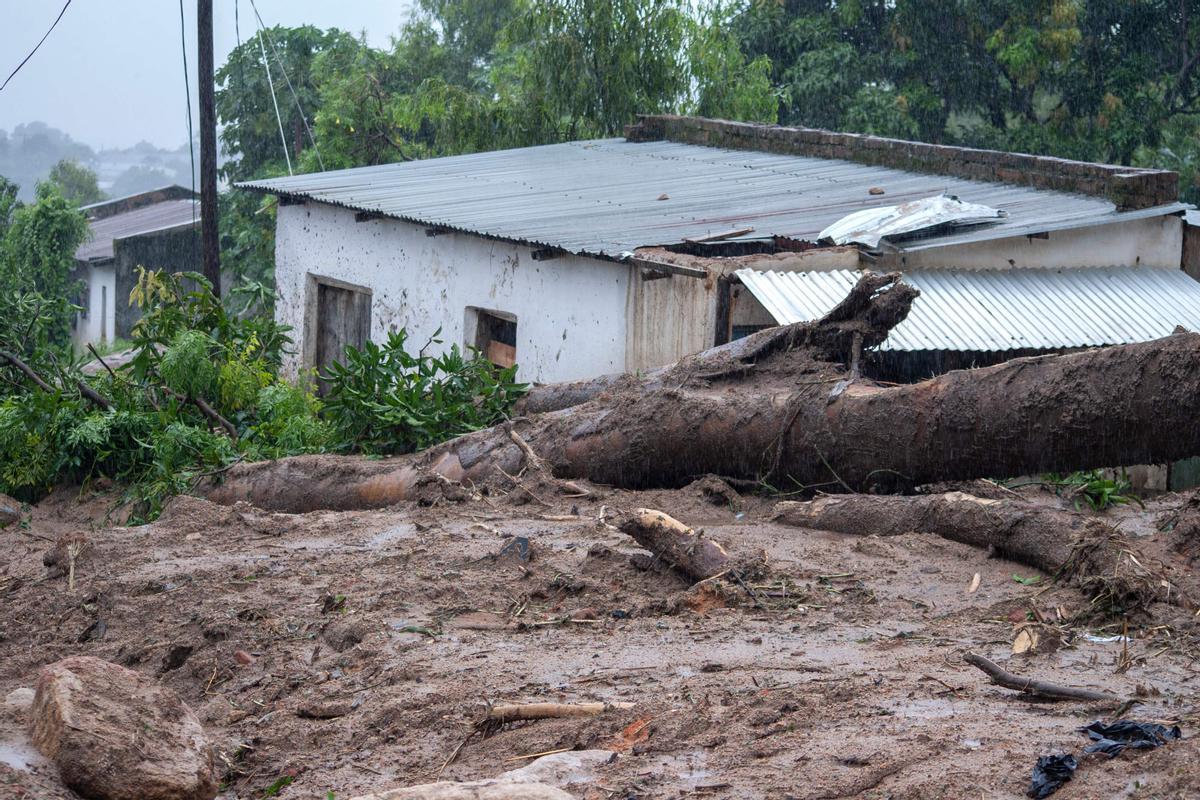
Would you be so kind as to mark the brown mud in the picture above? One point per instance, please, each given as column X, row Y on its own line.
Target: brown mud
column 354, row 651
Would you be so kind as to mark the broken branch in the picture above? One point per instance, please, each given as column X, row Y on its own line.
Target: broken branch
column 1058, row 542
column 207, row 411
column 1049, row 691
column 86, row 391
column 676, row 543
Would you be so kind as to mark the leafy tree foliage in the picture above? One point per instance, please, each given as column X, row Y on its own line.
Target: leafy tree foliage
column 76, row 182
column 250, row 131
column 1098, row 80
column 37, row 258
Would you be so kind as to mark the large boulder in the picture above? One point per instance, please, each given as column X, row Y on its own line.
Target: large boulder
column 498, row 789
column 115, row 734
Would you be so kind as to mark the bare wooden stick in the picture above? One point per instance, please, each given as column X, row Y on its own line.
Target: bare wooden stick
column 1050, row 691
column 27, row 371
column 676, row 543
column 517, row 713
column 99, row 358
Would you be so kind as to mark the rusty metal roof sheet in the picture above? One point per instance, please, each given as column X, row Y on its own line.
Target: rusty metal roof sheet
column 602, row 197
column 148, row 219
column 989, row 310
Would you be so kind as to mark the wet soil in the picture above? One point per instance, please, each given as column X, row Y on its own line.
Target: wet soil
column 355, row 651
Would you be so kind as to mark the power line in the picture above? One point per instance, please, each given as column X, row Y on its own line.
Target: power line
column 278, row 119
column 295, row 98
column 36, row 46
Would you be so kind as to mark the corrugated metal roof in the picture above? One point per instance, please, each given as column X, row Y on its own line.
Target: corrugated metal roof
column 601, row 197
column 160, row 216
column 985, row 310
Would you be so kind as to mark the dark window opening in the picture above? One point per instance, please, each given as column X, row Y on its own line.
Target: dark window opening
column 496, row 337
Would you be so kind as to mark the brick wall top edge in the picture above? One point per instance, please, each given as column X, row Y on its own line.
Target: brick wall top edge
column 1129, row 187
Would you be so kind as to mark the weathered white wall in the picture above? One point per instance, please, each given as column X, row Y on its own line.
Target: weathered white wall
column 1154, row 242
column 571, row 311
column 101, row 286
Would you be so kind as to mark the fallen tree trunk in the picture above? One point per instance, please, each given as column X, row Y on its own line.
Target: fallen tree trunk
column 781, row 407
column 1074, row 545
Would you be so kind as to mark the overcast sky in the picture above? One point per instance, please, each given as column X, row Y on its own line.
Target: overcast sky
column 111, row 73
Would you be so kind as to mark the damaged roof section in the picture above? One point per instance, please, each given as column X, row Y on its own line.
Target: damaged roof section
column 871, row 226
column 612, row 196
column 996, row 310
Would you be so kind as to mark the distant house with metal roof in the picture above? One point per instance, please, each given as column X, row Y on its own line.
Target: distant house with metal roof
column 621, row 254
column 156, row 229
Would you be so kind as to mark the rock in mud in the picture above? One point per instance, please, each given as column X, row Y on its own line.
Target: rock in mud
column 564, row 769
column 10, row 511
column 475, row 790
column 19, row 701
column 116, row 734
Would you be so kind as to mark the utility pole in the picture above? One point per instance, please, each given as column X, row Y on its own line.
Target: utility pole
column 211, row 245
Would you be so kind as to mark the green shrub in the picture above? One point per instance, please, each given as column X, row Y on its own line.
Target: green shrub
column 385, row 400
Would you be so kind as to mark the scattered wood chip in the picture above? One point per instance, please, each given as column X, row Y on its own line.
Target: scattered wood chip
column 975, row 581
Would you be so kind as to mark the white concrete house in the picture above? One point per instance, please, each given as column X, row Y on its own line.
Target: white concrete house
column 617, row 255
column 156, row 229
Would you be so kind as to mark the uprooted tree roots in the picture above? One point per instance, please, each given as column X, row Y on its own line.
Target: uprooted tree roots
column 1104, row 563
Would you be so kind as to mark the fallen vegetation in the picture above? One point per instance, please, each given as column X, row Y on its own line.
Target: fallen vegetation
column 200, row 394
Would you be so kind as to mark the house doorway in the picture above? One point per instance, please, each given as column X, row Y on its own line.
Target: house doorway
column 342, row 319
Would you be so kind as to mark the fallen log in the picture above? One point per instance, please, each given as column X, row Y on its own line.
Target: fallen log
column 1031, row 686
column 1074, row 545
column 784, row 407
column 675, row 543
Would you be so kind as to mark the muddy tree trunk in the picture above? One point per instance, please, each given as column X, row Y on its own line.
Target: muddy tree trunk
column 786, row 407
column 1082, row 547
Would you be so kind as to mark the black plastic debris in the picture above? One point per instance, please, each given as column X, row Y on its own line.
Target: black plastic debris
column 1050, row 773
column 1127, row 734
column 516, row 547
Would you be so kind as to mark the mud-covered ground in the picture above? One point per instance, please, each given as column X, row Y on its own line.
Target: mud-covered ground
column 355, row 651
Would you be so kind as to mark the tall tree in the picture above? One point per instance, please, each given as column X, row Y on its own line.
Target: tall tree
column 76, row 182
column 245, row 108
column 37, row 257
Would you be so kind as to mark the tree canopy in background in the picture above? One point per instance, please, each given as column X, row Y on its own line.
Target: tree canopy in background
column 1095, row 80
column 76, row 182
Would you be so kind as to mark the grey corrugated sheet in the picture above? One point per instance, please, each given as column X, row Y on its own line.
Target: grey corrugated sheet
column 601, row 197
column 160, row 216
column 986, row 310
